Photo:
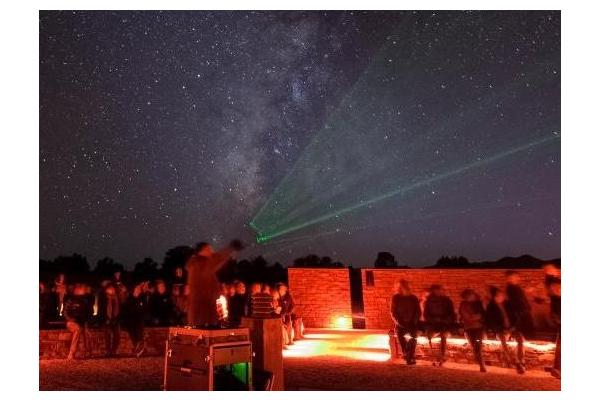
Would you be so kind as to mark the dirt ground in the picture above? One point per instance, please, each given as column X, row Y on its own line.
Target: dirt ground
column 313, row 373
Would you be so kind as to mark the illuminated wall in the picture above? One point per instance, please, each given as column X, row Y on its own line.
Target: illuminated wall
column 322, row 296
column 377, row 294
column 323, row 300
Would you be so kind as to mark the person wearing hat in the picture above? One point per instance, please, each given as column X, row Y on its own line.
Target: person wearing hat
column 439, row 319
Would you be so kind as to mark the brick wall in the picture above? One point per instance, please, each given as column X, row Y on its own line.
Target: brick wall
column 55, row 343
column 377, row 298
column 322, row 296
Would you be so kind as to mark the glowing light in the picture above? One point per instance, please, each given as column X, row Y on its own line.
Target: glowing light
column 342, row 322
column 222, row 307
column 541, row 347
column 95, row 307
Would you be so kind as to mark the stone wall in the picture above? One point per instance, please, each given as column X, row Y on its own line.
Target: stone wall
column 322, row 296
column 55, row 343
column 377, row 297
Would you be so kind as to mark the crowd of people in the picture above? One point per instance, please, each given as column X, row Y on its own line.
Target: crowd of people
column 114, row 306
column 506, row 315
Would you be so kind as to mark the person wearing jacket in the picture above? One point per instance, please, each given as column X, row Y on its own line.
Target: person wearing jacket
column 472, row 316
column 204, row 286
column 75, row 310
column 405, row 311
column 553, row 286
column 439, row 318
column 162, row 309
column 237, row 304
column 497, row 323
column 110, row 315
column 286, row 303
column 133, row 316
column 519, row 315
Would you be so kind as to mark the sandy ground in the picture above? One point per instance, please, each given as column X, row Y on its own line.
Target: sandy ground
column 314, row 373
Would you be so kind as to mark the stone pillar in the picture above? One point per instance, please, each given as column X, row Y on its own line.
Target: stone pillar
column 267, row 344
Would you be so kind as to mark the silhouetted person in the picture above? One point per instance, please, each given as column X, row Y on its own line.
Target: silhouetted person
column 519, row 315
column 60, row 291
column 406, row 312
column 497, row 322
column 110, row 315
column 47, row 306
column 161, row 305
column 553, row 285
column 439, row 318
column 179, row 298
column 286, row 302
column 237, row 304
column 260, row 304
column 120, row 288
column 133, row 316
column 75, row 310
column 204, row 286
column 266, row 289
column 472, row 315
column 178, row 277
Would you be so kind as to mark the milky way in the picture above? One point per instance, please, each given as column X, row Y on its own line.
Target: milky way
column 167, row 128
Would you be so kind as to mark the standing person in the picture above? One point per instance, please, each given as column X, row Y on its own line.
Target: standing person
column 260, row 304
column 266, row 289
column 133, row 316
column 204, row 286
column 161, row 305
column 76, row 313
column 519, row 315
column 553, row 286
column 179, row 299
column 60, row 291
column 237, row 304
column 472, row 316
column 439, row 318
column 110, row 314
column 119, row 286
column 406, row 312
column 497, row 322
column 286, row 302
column 178, row 277
column 255, row 288
column 47, row 306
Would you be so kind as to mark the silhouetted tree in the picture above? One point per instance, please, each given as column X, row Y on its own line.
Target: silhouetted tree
column 48, row 270
column 175, row 257
column 325, row 261
column 313, row 260
column 454, row 261
column 145, row 270
column 106, row 267
column 75, row 266
column 385, row 259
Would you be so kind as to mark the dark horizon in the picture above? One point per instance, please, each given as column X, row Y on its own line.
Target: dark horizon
column 160, row 129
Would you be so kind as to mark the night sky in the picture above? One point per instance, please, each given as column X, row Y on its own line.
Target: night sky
column 343, row 133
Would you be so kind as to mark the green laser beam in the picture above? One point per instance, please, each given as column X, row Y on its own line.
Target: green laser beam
column 289, row 243
column 263, row 237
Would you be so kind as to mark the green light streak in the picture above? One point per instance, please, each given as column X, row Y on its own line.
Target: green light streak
column 264, row 237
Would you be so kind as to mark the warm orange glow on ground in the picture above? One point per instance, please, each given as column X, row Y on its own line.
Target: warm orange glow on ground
column 371, row 345
column 358, row 345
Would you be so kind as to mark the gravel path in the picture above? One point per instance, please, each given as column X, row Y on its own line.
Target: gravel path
column 314, row 373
